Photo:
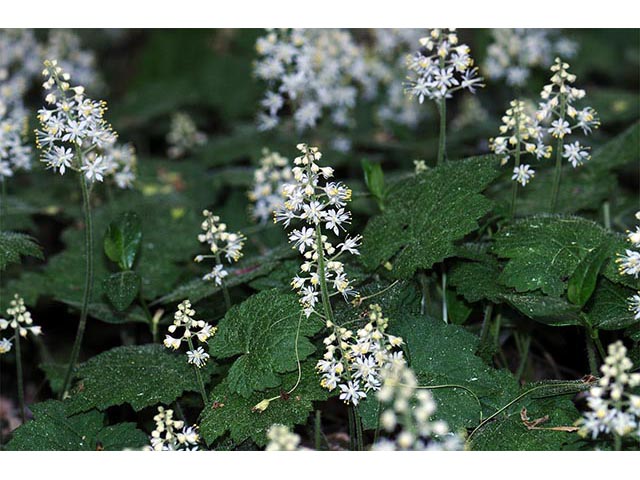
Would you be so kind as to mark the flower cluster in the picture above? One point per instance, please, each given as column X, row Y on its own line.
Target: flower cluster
column 520, row 133
column 15, row 154
column 184, row 136
column 19, row 320
column 354, row 363
column 557, row 106
column 629, row 264
column 282, row 439
column 614, row 409
column 172, row 435
column 74, row 134
column 312, row 72
column 183, row 318
column 516, row 51
column 408, row 412
column 320, row 204
column 441, row 67
column 65, row 45
column 220, row 242
column 387, row 63
column 268, row 179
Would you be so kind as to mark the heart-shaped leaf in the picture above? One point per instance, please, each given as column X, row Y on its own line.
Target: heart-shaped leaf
column 122, row 288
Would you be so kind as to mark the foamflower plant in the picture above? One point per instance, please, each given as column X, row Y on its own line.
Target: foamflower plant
column 21, row 323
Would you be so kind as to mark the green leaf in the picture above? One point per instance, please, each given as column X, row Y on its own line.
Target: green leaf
column 608, row 308
column 619, row 151
column 233, row 413
column 13, row 245
column 55, row 429
column 479, row 280
column 263, row 331
column 426, row 214
column 140, row 375
column 544, row 251
column 122, row 240
column 444, row 355
column 508, row 432
column 121, row 288
column 583, row 279
column 374, row 178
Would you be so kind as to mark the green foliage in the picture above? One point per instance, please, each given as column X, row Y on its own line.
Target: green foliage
column 140, row 375
column 508, row 431
column 269, row 333
column 425, row 214
column 13, row 245
column 582, row 282
column 608, row 309
column 121, row 288
column 374, row 180
column 54, row 428
column 544, row 251
column 233, row 413
column 122, row 240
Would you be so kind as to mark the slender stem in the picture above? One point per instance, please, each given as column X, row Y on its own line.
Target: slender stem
column 524, row 356
column 153, row 326
column 442, row 139
column 352, row 429
column 317, row 431
column 88, row 286
column 606, row 211
column 225, row 290
column 326, row 304
column 358, row 424
column 203, row 392
column 19, row 376
column 599, row 346
column 617, row 442
column 591, row 354
column 486, row 323
column 445, row 313
column 514, row 188
column 558, row 170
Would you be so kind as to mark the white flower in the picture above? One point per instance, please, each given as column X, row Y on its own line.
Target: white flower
column 94, row 169
column 19, row 319
column 268, row 180
column 629, row 263
column 522, row 174
column 74, row 135
column 197, row 357
column 281, row 439
column 409, row 410
column 614, row 409
column 575, row 154
column 319, row 204
column 441, row 68
column 559, row 128
column 351, row 392
column 221, row 243
column 183, row 318
column 5, row 345
column 184, row 136
column 520, row 134
column 171, row 435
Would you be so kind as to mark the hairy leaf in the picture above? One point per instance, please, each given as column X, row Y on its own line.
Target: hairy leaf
column 140, row 375
column 121, row 288
column 266, row 331
column 608, row 308
column 543, row 251
column 55, row 429
column 424, row 215
column 13, row 245
column 230, row 412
